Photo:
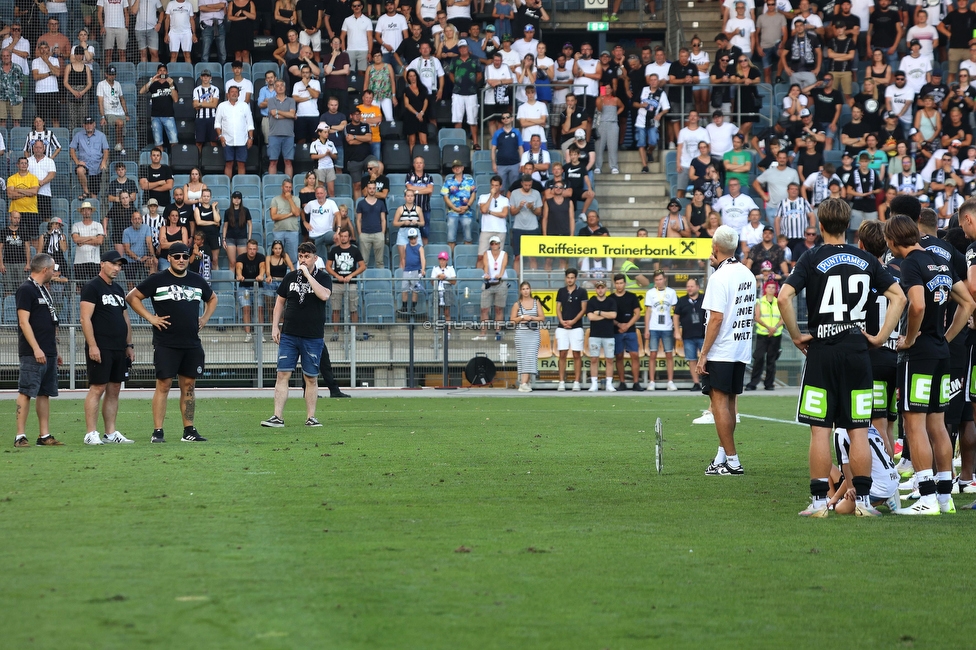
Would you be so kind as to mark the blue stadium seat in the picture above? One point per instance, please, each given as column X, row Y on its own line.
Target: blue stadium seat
column 144, row 157
column 379, row 311
column 252, row 181
column 215, row 181
column 272, row 184
column 125, row 73
column 10, row 310
column 343, row 185
column 258, row 70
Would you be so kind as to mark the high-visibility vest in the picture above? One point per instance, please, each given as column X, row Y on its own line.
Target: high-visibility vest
column 769, row 313
column 630, row 270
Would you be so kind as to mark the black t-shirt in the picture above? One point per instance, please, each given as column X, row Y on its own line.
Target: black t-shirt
column 850, row 22
column 164, row 173
column 308, row 10
column 180, row 298
column 536, row 185
column 599, row 232
column 626, row 304
column 956, row 131
column 31, row 299
column 161, row 99
column 409, row 49
column 185, row 211
column 14, row 247
column 801, row 65
column 825, row 104
column 115, row 187
column 938, row 92
column 526, row 15
column 960, row 28
column 838, row 280
column 572, row 303
column 250, row 269
column 884, row 25
column 360, row 151
column 382, row 182
column 573, row 175
column 678, row 71
column 603, row 329
column 931, row 272
column 868, row 182
column 691, row 317
column 854, row 130
column 840, row 46
column 345, row 261
column 304, row 312
column 810, row 162
column 873, row 108
column 108, row 318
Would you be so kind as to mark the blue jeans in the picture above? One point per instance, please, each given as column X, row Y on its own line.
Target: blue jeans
column 692, row 348
column 376, row 150
column 292, row 347
column 452, row 226
column 322, row 243
column 220, row 31
column 289, row 239
column 647, row 137
column 160, row 123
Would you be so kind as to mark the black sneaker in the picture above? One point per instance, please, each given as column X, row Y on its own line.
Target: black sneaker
column 723, row 469
column 695, row 387
column 312, row 422
column 157, row 436
column 750, row 387
column 192, row 435
column 274, row 421
column 637, row 388
column 337, row 394
column 644, row 170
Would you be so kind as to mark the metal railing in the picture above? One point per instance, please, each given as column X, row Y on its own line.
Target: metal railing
column 554, row 117
column 674, row 37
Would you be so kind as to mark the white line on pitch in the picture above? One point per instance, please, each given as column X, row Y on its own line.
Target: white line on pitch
column 760, row 417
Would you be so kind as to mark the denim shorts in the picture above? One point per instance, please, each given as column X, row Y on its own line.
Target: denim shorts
column 235, row 154
column 281, row 145
column 692, row 348
column 654, row 336
column 625, row 342
column 38, row 379
column 309, row 350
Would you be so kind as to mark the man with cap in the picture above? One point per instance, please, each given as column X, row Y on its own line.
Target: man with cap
column 206, row 97
column 900, row 99
column 494, row 261
column 323, row 151
column 108, row 347
column 162, row 99
column 177, row 295
column 528, row 43
column 766, row 251
column 112, row 107
column 802, row 55
column 282, row 114
column 916, row 67
column 88, row 236
column 234, row 126
column 89, row 152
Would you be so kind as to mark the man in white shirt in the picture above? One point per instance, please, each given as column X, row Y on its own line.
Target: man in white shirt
column 659, row 326
column 20, row 48
column 539, row 158
column 720, row 134
column 147, row 16
column 46, row 70
column 180, row 31
column 528, row 44
column 728, row 9
column 235, row 129
column 899, row 98
column 925, row 34
column 240, row 81
column 494, row 207
column 661, row 66
column 741, row 29
column 688, row 139
column 44, row 169
column 532, row 117
column 324, row 152
column 320, row 221
column 916, row 67
column 112, row 106
column 357, row 37
column 735, row 206
column 391, row 30
column 114, row 19
column 430, row 71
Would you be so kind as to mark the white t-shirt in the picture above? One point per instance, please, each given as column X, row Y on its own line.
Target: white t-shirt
column 501, row 73
column 356, row 30
column 735, row 211
column 458, row 11
column 788, row 103
column 146, row 16
column 321, row 218
column 743, row 28
column 721, row 137
column 179, row 16
column 933, row 10
column 309, row 108
column 884, row 477
column 442, row 275
column 541, row 158
column 730, row 5
column 899, row 97
column 660, row 70
column 114, row 12
column 699, row 59
column 490, row 222
column 41, row 170
column 731, row 291
column 329, row 147
column 813, row 22
column 914, row 70
column 862, row 9
column 111, row 97
column 391, row 28
column 927, row 37
column 429, row 70
column 524, row 47
column 47, row 84
column 532, row 111
column 428, row 9
column 659, row 304
column 690, row 139
column 87, row 253
column 936, row 160
column 245, row 86
column 751, row 236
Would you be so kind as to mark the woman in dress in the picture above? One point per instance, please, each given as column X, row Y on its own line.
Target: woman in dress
column 279, row 264
column 407, row 216
column 237, row 227
column 77, row 88
column 448, row 46
column 381, row 80
column 193, row 190
column 173, row 233
column 880, row 71
column 416, row 101
column 241, row 17
column 284, row 20
column 928, row 122
column 527, row 314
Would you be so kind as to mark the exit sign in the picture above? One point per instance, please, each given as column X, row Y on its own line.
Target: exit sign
column 598, row 27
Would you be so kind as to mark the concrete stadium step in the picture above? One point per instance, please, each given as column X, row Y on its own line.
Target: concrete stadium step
column 618, row 188
column 629, row 20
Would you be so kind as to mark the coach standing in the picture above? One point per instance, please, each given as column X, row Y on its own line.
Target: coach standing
column 176, row 294
column 297, row 326
column 729, row 304
column 108, row 347
column 37, row 346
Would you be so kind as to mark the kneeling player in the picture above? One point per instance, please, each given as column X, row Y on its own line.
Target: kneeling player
column 884, row 478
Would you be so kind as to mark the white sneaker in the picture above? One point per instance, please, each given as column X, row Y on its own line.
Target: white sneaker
column 576, row 387
column 967, row 487
column 738, row 420
column 948, row 507
column 93, row 438
column 248, row 338
column 594, row 387
column 651, row 386
column 914, row 495
column 907, row 486
column 610, row 388
column 118, row 146
column 561, row 387
column 117, row 438
column 524, row 388
column 706, row 418
column 614, row 170
column 926, row 506
column 671, row 145
column 596, row 170
column 904, row 468
column 671, row 386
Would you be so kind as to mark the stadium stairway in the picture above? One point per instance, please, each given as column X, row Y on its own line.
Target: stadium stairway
column 630, row 199
column 704, row 19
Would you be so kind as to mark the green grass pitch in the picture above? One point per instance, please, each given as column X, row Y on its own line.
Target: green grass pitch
column 457, row 523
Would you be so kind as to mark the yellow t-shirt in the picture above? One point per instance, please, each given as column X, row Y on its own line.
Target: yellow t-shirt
column 26, row 203
column 371, row 112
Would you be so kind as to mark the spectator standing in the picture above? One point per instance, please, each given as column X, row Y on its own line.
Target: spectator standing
column 112, row 106
column 116, row 221
column 44, row 170
column 180, row 30
column 235, row 130
column 148, row 21
column 206, row 216
column 357, row 37
column 609, row 107
column 506, row 150
column 526, row 204
column 345, row 264
column 430, row 71
column 285, row 215
column 412, row 264
column 306, row 94
column 250, row 272
column 45, row 71
column 769, row 336
column 777, row 179
column 336, row 71
column 88, row 236
column 771, row 34
column 320, row 222
column 458, row 192
column 957, row 27
column 391, row 30
column 802, row 55
column 372, row 116
column 37, row 347
column 495, row 210
column 77, row 81
column 52, row 146
column 651, row 109
column 22, row 190
column 240, row 81
column 236, row 227
column 625, row 332
column 138, row 246
column 176, row 295
column 466, row 77
column 162, row 98
column 89, row 152
column 527, row 314
column 885, row 30
column 689, row 319
column 108, row 347
column 358, row 143
column 422, row 185
column 206, row 98
column 11, row 89
column 113, row 16
column 156, row 179
column 570, row 308
column 587, row 73
column 688, row 139
column 660, row 327
column 371, row 226
column 861, row 187
column 324, row 153
column 602, row 313
column 15, row 254
column 282, row 115
column 19, row 47
column 497, row 100
column 213, row 28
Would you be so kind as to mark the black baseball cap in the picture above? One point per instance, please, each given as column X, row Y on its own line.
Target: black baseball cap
column 178, row 247
column 113, row 256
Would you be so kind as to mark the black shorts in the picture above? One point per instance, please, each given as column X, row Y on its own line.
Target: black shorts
column 111, row 370
column 30, row 225
column 204, row 129
column 48, row 106
column 958, row 399
column 43, row 207
column 923, row 385
column 836, row 387
column 86, row 271
column 212, row 233
column 183, row 362
column 724, row 376
column 885, row 377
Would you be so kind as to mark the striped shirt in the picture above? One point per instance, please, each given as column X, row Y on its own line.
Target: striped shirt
column 155, row 225
column 793, row 217
column 51, row 143
column 201, row 94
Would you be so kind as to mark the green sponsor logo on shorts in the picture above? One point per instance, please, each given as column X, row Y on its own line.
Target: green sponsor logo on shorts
column 861, row 403
column 946, row 391
column 813, row 402
column 920, row 389
column 881, row 395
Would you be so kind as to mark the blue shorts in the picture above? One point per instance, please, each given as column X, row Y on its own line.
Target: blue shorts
column 38, row 379
column 654, row 336
column 238, row 154
column 625, row 342
column 281, row 145
column 692, row 348
column 292, row 347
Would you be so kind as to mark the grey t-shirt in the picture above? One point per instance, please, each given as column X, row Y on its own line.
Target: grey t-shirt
column 525, row 219
column 777, row 181
column 282, row 205
column 283, row 127
column 770, row 29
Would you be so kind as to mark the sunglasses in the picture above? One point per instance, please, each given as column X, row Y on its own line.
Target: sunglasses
column 811, row 234
column 180, row 256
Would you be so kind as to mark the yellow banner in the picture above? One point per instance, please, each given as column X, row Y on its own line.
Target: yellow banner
column 617, row 247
